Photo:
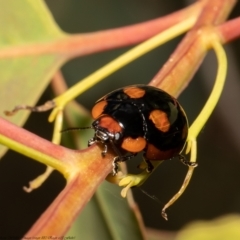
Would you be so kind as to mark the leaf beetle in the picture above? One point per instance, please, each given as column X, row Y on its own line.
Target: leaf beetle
column 140, row 118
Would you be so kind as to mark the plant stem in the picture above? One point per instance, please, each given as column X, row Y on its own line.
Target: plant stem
column 31, row 145
column 76, row 45
column 119, row 62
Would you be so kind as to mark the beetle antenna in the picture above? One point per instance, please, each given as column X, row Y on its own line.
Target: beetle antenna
column 75, row 129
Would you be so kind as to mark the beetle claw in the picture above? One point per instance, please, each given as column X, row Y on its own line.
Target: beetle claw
column 188, row 163
column 115, row 166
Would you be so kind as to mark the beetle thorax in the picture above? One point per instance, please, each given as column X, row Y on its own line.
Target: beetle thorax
column 107, row 129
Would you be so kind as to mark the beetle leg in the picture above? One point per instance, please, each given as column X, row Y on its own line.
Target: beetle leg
column 150, row 167
column 104, row 152
column 115, row 166
column 91, row 142
column 126, row 158
column 187, row 162
column 118, row 159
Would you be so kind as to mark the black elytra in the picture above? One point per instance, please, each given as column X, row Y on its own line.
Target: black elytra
column 140, row 118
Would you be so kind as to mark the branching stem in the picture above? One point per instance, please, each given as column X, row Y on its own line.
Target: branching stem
column 119, row 62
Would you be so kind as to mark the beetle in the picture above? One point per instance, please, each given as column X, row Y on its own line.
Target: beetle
column 140, row 118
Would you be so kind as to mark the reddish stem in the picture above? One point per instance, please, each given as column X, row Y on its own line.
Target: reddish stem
column 90, row 170
column 125, row 36
column 173, row 77
column 177, row 73
column 81, row 44
column 33, row 141
column 214, row 12
column 230, row 30
column 65, row 208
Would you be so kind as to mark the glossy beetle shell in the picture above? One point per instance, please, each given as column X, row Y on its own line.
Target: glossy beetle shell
column 145, row 118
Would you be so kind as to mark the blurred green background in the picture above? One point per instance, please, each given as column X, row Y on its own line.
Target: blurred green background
column 214, row 189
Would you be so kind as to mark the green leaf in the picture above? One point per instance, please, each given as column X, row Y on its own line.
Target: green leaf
column 26, row 25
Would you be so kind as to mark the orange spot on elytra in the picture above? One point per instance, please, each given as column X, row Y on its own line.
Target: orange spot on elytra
column 134, row 145
column 110, row 124
column 134, row 92
column 160, row 120
column 98, row 109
